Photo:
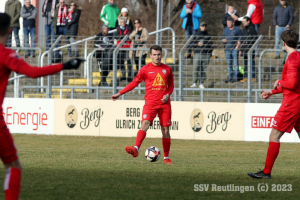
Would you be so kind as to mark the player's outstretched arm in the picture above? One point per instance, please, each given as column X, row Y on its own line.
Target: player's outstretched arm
column 265, row 94
column 115, row 96
column 17, row 64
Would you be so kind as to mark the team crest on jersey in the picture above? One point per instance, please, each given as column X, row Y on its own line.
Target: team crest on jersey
column 164, row 71
column 144, row 116
column 158, row 81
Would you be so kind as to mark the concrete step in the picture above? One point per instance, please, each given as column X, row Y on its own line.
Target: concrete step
column 43, row 95
column 168, row 60
column 69, row 90
column 83, row 81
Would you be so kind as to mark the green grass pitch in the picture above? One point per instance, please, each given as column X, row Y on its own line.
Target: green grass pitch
column 67, row 167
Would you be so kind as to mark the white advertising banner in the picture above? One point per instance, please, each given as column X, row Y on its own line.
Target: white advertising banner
column 259, row 120
column 217, row 121
column 104, row 118
column 34, row 116
column 190, row 120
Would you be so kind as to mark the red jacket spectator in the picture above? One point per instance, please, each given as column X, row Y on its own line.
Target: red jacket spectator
column 257, row 16
column 255, row 11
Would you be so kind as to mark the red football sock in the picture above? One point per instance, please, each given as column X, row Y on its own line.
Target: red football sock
column 12, row 183
column 166, row 144
column 272, row 154
column 140, row 138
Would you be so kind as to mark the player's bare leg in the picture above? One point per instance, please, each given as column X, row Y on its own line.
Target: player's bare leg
column 12, row 183
column 134, row 150
column 272, row 154
column 166, row 141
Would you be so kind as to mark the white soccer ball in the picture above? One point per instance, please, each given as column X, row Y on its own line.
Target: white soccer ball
column 152, row 154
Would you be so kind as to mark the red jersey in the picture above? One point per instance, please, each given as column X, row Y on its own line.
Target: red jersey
column 289, row 84
column 159, row 82
column 11, row 61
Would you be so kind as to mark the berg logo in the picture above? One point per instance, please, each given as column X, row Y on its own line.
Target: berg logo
column 71, row 117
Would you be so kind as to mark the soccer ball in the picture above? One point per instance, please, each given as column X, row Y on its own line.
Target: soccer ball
column 152, row 154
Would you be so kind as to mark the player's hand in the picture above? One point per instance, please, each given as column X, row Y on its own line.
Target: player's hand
column 73, row 63
column 276, row 84
column 165, row 98
column 265, row 94
column 224, row 40
column 115, row 96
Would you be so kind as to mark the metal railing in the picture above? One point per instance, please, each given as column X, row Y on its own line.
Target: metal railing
column 16, row 78
column 183, row 73
column 181, row 66
column 256, row 91
column 173, row 40
column 250, row 52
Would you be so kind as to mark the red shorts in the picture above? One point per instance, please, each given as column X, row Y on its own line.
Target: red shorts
column 8, row 151
column 285, row 121
column 163, row 111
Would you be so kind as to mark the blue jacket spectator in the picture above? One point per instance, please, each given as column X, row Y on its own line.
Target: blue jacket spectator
column 231, row 38
column 283, row 18
column 196, row 15
column 283, row 15
column 191, row 14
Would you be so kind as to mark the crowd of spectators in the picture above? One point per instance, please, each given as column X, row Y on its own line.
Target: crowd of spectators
column 63, row 19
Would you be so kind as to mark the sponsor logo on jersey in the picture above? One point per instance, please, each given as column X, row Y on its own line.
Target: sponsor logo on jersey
column 144, row 116
column 164, row 71
column 150, row 72
column 158, row 81
column 71, row 116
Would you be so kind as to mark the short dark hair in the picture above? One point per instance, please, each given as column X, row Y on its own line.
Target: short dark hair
column 155, row 47
column 247, row 18
column 230, row 5
column 230, row 19
column 4, row 23
column 139, row 21
column 290, row 37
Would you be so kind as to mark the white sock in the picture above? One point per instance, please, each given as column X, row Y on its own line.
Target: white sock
column 136, row 148
column 166, row 158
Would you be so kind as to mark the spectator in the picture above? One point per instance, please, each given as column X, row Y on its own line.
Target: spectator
column 202, row 46
column 105, row 43
column 109, row 14
column 231, row 13
column 191, row 14
column 255, row 12
column 247, row 41
column 72, row 26
column 29, row 13
column 123, row 30
column 283, row 18
column 139, row 38
column 60, row 21
column 48, row 13
column 124, row 14
column 231, row 39
column 13, row 9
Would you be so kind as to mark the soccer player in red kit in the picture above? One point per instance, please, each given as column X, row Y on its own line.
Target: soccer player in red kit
column 10, row 61
column 288, row 115
column 159, row 83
